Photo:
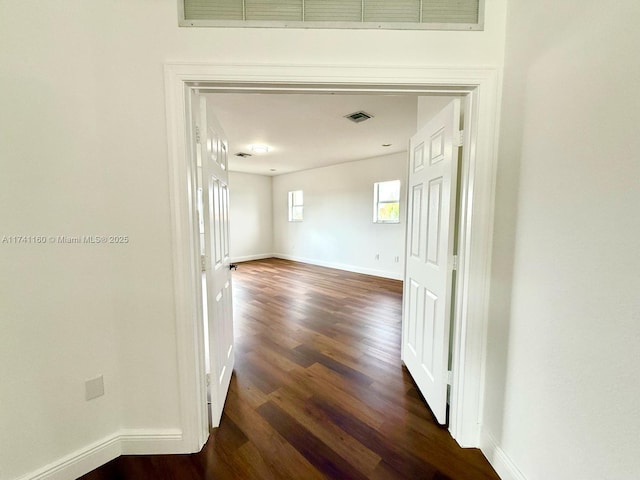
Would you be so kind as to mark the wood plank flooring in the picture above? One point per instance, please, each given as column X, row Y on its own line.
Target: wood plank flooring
column 318, row 389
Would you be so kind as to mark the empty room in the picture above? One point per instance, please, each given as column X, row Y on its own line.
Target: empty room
column 470, row 322
column 318, row 179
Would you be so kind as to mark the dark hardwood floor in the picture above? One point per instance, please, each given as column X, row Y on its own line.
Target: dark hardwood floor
column 318, row 389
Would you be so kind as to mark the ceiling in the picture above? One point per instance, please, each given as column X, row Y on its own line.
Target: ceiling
column 309, row 130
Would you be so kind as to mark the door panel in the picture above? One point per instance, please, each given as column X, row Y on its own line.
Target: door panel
column 429, row 277
column 433, row 221
column 415, row 221
column 216, row 262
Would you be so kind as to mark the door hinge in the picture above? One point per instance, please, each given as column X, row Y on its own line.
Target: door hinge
column 203, row 262
column 454, row 262
column 459, row 138
column 197, row 134
column 208, row 379
column 449, row 377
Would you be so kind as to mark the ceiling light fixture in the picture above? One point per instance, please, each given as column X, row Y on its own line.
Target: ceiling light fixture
column 386, row 144
column 259, row 148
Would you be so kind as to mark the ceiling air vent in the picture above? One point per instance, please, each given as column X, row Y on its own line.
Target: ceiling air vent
column 243, row 154
column 358, row 117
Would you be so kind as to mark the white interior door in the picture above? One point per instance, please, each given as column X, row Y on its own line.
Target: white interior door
column 433, row 166
column 217, row 275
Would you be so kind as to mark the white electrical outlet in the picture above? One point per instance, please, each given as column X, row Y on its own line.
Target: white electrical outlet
column 94, row 388
column 397, row 259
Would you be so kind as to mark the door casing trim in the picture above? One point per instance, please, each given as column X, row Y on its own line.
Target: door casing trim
column 481, row 89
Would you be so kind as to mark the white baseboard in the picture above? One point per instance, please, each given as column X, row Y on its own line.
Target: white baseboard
column 341, row 266
column 125, row 442
column 498, row 458
column 150, row 442
column 79, row 462
column 248, row 258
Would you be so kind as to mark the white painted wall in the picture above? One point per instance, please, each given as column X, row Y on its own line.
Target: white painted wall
column 250, row 216
column 338, row 229
column 83, row 151
column 429, row 106
column 562, row 378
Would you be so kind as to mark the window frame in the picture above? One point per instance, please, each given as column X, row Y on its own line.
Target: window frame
column 291, row 205
column 377, row 202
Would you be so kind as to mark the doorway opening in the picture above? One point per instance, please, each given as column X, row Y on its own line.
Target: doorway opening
column 314, row 149
column 479, row 90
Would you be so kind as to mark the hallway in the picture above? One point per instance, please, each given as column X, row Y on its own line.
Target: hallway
column 318, row 389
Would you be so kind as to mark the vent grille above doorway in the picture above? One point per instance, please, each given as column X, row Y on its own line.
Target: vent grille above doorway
column 377, row 14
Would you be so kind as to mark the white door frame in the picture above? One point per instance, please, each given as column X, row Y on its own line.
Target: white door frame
column 481, row 89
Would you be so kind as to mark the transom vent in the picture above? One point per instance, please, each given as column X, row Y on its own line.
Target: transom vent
column 372, row 14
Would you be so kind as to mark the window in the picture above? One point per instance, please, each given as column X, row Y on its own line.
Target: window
column 386, row 202
column 296, row 204
column 373, row 14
